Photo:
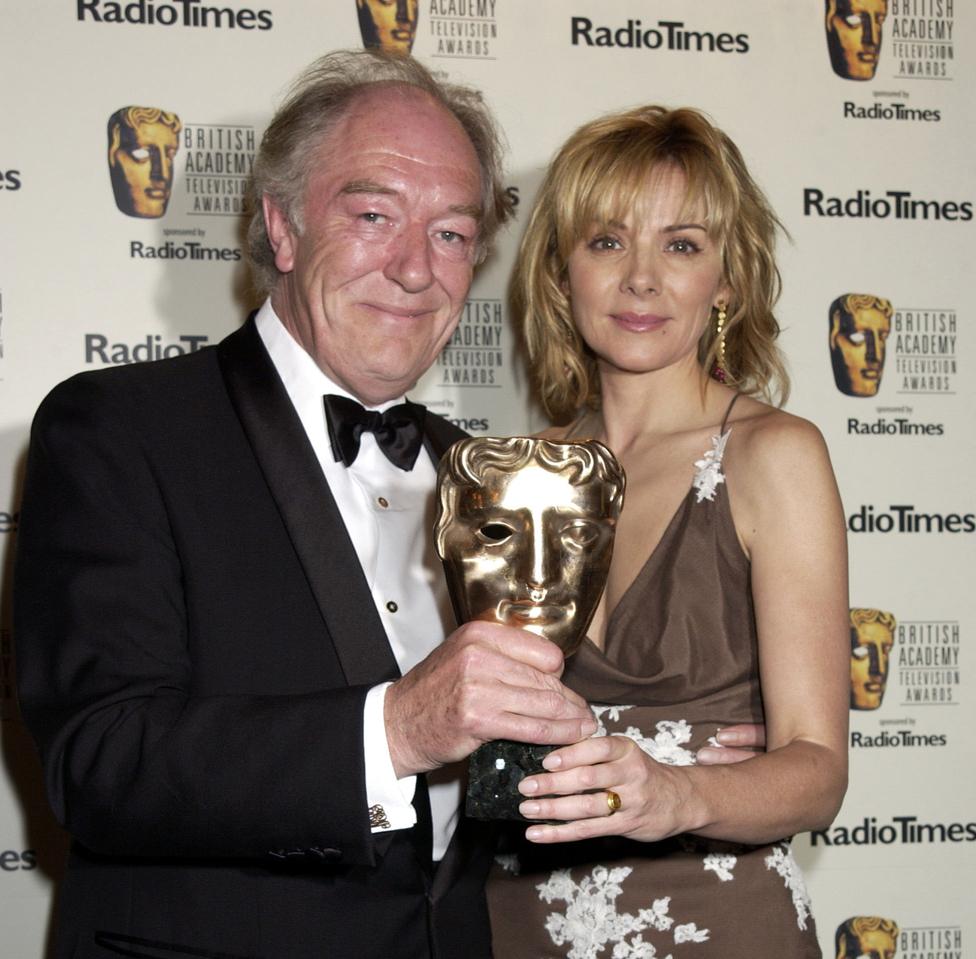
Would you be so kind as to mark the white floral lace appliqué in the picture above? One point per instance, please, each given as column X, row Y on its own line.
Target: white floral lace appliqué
column 721, row 865
column 708, row 470
column 781, row 859
column 666, row 746
column 689, row 932
column 591, row 920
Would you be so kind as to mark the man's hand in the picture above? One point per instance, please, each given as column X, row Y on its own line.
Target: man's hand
column 485, row 681
column 736, row 744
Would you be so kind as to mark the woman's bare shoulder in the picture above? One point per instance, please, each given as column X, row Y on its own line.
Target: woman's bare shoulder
column 774, row 457
column 766, row 436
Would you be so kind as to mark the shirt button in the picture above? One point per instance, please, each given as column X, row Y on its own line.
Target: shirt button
column 392, row 607
column 383, row 501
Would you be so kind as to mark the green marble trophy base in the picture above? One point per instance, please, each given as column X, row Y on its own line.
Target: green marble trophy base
column 494, row 771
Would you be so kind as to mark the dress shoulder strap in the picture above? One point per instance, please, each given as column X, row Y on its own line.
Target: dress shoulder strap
column 728, row 413
column 708, row 470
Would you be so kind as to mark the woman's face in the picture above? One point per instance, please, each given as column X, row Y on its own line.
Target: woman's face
column 642, row 290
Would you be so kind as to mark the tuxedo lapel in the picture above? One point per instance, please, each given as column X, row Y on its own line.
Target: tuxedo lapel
column 307, row 508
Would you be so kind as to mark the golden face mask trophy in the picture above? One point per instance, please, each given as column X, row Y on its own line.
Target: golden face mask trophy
column 525, row 529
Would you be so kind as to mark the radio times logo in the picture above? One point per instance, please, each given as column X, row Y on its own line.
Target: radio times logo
column 906, row 518
column 898, row 830
column 874, row 937
column 99, row 350
column 891, row 205
column 173, row 13
column 670, row 35
column 475, row 356
column 146, row 144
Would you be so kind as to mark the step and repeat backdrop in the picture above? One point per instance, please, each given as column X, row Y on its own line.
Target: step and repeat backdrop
column 129, row 130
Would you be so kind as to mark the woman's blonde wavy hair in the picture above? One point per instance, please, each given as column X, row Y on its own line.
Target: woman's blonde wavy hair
column 598, row 175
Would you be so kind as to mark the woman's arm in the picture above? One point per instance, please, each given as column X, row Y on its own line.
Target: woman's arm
column 789, row 518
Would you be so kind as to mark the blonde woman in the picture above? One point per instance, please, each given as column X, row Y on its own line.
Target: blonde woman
column 645, row 288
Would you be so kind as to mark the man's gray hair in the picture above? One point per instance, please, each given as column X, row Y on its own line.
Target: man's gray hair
column 318, row 99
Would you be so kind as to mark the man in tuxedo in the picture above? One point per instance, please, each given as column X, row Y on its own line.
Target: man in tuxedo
column 234, row 644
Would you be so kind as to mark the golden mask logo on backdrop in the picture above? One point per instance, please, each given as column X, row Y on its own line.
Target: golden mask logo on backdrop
column 903, row 352
column 142, row 146
column 160, row 167
column 854, row 30
column 859, row 328
column 866, row 937
column 873, row 937
column 898, row 664
column 872, row 639
column 388, row 25
column 890, row 40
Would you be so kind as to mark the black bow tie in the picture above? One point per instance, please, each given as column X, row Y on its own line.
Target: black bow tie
column 399, row 430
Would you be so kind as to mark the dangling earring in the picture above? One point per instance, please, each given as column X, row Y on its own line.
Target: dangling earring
column 718, row 368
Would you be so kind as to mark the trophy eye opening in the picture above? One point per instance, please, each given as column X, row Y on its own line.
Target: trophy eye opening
column 494, row 533
column 860, row 652
column 581, row 533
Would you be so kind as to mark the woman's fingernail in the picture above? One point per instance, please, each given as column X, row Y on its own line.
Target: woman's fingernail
column 535, row 832
column 528, row 786
column 552, row 761
column 529, row 809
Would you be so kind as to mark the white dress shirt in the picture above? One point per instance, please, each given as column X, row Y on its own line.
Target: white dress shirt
column 389, row 515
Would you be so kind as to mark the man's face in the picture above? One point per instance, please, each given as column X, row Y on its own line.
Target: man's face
column 870, row 656
column 854, row 36
column 390, row 25
column 142, row 168
column 857, row 346
column 876, row 944
column 530, row 549
column 374, row 284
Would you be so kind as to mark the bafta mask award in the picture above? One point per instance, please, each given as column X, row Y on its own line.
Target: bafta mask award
column 525, row 530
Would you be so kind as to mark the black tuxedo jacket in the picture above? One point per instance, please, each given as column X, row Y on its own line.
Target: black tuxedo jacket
column 195, row 639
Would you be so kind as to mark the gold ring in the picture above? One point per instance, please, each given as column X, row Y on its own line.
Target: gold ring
column 613, row 801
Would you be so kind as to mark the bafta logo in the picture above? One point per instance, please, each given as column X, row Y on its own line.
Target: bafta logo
column 867, row 937
column 872, row 637
column 142, row 145
column 859, row 328
column 854, row 36
column 388, row 25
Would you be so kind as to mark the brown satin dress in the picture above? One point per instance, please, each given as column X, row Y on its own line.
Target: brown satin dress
column 680, row 661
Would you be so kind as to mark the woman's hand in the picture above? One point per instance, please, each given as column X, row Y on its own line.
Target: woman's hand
column 578, row 789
